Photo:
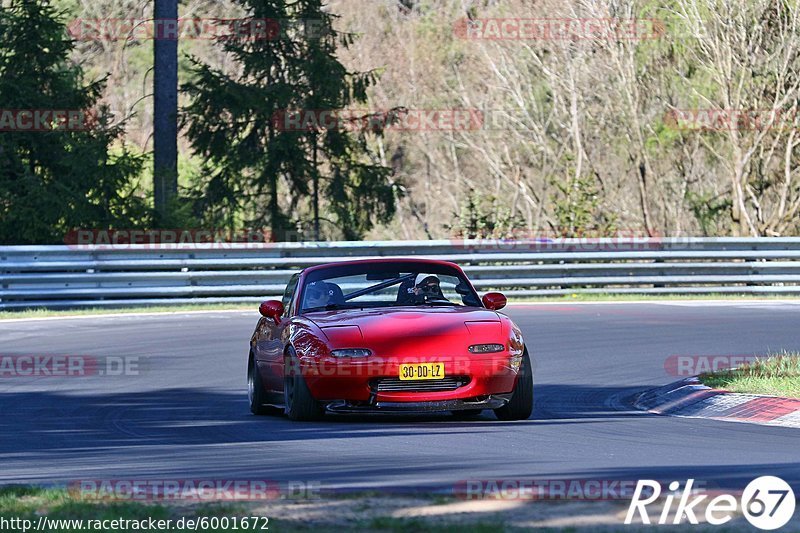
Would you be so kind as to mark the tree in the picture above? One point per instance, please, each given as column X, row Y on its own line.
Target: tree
column 57, row 179
column 748, row 59
column 259, row 171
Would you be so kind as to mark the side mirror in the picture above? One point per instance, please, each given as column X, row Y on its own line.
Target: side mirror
column 271, row 309
column 494, row 301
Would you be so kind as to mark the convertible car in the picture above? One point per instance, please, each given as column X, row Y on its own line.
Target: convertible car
column 387, row 335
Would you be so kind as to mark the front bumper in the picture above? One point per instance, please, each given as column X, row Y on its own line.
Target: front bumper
column 334, row 381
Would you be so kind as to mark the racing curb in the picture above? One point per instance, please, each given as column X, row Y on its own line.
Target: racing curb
column 689, row 398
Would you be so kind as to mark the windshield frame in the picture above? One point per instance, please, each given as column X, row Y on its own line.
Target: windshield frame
column 354, row 269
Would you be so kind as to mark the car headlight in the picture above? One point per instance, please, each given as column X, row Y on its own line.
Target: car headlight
column 486, row 348
column 352, row 352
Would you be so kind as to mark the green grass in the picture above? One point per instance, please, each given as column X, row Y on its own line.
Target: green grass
column 346, row 512
column 774, row 376
column 573, row 297
column 411, row 525
column 29, row 503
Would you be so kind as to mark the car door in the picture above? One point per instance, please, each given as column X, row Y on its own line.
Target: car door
column 275, row 339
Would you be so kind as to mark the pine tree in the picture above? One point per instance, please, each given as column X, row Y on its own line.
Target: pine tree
column 259, row 172
column 54, row 181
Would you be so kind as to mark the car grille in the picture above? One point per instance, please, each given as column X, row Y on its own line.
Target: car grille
column 425, row 385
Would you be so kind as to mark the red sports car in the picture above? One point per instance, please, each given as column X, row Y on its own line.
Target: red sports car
column 387, row 335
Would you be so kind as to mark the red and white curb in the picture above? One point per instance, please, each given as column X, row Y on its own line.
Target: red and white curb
column 688, row 398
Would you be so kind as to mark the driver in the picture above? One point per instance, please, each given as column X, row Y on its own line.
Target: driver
column 429, row 287
column 318, row 295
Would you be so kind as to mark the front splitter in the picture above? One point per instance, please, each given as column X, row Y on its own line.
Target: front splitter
column 492, row 402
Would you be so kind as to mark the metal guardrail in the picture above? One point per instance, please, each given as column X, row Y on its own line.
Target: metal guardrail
column 122, row 275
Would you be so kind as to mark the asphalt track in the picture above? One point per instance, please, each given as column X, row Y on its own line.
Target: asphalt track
column 185, row 415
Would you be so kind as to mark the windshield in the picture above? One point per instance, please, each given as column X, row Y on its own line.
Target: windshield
column 389, row 285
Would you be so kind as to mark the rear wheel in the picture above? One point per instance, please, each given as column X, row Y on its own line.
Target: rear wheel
column 520, row 406
column 300, row 404
column 255, row 391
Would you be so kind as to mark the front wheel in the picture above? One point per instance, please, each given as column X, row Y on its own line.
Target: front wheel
column 300, row 405
column 520, row 406
column 255, row 391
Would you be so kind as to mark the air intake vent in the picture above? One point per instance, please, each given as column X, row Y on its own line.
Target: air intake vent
column 428, row 385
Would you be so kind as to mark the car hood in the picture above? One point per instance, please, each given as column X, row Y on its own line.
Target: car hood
column 375, row 328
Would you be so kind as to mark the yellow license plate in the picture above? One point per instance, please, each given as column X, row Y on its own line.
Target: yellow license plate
column 422, row 371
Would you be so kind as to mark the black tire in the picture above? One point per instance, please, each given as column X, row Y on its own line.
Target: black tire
column 466, row 414
column 300, row 404
column 520, row 407
column 256, row 393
